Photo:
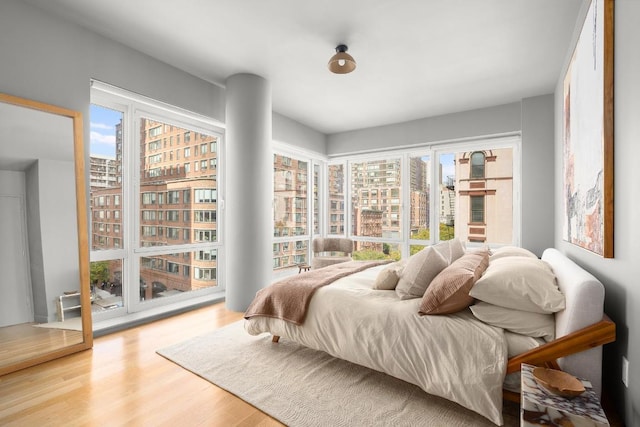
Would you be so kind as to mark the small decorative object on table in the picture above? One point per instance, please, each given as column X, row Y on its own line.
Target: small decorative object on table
column 558, row 382
column 544, row 404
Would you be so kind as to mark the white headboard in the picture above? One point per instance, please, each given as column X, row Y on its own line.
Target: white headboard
column 584, row 300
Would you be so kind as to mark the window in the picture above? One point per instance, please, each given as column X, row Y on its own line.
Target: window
column 435, row 195
column 173, row 216
column 205, row 195
column 336, row 183
column 477, row 165
column 173, row 233
column 204, row 216
column 291, row 213
column 204, row 273
column 160, row 189
column 149, row 198
column 173, row 197
column 368, row 178
column 477, row 209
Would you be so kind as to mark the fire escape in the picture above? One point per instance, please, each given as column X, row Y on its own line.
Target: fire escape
column 451, row 186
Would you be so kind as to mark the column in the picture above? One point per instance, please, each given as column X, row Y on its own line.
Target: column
column 248, row 181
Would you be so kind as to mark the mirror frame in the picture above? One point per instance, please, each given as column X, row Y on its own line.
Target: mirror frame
column 83, row 239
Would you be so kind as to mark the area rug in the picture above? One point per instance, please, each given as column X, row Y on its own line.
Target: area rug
column 303, row 387
column 73, row 324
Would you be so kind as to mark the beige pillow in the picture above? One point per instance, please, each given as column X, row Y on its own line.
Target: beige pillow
column 518, row 321
column 388, row 278
column 505, row 251
column 520, row 283
column 451, row 250
column 420, row 270
column 449, row 291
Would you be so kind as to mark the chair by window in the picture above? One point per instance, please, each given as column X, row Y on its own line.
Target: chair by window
column 331, row 250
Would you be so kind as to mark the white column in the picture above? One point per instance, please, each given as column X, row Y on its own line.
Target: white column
column 249, row 187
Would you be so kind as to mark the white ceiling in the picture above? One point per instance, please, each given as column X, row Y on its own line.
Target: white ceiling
column 416, row 58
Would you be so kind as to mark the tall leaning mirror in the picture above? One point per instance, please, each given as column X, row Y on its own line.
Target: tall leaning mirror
column 45, row 298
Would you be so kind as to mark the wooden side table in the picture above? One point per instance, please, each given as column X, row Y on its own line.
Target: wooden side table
column 542, row 408
column 303, row 267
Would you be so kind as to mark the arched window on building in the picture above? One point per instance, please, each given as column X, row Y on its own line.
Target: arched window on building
column 477, row 164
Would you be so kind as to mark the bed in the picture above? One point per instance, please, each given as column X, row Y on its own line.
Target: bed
column 452, row 352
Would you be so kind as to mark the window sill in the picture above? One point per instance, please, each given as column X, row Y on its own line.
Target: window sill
column 119, row 323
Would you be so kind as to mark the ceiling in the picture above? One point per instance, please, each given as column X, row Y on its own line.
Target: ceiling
column 416, row 58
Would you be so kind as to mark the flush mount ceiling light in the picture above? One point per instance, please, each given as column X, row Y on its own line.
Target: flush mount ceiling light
column 342, row 62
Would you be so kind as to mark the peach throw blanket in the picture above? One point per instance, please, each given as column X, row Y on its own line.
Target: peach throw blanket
column 289, row 298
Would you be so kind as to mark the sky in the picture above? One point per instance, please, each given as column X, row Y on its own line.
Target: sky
column 103, row 131
column 448, row 168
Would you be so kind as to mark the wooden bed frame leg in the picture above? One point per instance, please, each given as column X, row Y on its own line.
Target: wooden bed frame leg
column 275, row 338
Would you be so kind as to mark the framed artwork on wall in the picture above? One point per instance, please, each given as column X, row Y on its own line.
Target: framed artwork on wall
column 588, row 134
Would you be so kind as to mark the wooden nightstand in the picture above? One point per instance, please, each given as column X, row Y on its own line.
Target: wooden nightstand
column 541, row 408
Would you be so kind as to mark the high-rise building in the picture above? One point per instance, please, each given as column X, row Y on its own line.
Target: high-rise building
column 178, row 205
column 290, row 190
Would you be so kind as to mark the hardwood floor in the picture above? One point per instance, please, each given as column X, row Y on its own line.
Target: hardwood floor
column 24, row 341
column 122, row 381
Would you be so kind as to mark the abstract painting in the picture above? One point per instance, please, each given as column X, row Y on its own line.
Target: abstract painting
column 588, row 134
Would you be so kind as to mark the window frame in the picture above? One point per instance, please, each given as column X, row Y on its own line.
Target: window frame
column 135, row 107
column 434, row 151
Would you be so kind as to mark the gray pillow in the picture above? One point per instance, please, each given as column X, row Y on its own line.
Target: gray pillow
column 420, row 270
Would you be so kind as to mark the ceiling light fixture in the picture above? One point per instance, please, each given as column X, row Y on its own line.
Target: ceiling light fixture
column 342, row 62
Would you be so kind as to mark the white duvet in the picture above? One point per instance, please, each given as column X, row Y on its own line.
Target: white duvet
column 456, row 357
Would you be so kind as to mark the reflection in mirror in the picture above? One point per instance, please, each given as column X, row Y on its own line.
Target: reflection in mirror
column 45, row 307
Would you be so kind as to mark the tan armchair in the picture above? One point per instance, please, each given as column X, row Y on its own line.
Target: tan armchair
column 331, row 250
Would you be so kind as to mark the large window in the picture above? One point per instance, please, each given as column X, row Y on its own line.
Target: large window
column 291, row 214
column 468, row 191
column 144, row 233
column 376, row 203
column 336, row 189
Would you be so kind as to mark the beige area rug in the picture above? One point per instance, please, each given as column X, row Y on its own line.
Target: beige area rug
column 73, row 324
column 303, row 387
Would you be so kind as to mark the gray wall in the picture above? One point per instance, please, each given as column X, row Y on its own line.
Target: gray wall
column 467, row 124
column 533, row 118
column 620, row 274
column 292, row 132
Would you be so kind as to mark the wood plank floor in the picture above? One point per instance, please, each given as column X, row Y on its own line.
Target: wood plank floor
column 122, row 381
column 25, row 341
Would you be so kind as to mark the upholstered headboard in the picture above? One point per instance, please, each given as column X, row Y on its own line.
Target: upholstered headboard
column 584, row 300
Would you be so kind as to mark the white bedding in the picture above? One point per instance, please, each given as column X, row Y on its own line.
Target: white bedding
column 456, row 357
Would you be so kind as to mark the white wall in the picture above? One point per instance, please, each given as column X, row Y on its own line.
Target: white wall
column 620, row 274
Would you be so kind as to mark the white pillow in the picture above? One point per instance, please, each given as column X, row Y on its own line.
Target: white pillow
column 505, row 251
column 420, row 270
column 520, row 283
column 518, row 344
column 518, row 321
